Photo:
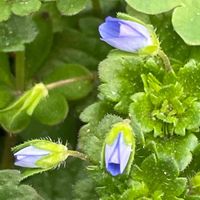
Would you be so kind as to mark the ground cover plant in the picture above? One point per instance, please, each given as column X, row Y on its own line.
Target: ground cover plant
column 99, row 100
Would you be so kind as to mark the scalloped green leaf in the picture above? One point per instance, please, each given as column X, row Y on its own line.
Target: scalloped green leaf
column 185, row 16
column 52, row 110
column 95, row 112
column 16, row 32
column 71, row 7
column 189, row 76
column 180, row 148
column 10, row 187
column 161, row 174
column 124, row 69
column 91, row 137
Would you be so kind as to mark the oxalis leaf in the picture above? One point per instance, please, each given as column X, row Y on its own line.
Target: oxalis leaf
column 10, row 187
column 185, row 17
column 18, row 7
column 15, row 32
column 71, row 7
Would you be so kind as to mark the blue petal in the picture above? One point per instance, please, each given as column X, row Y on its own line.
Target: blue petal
column 124, row 154
column 31, row 150
column 109, row 29
column 130, row 44
column 114, row 169
column 27, row 161
column 117, row 156
column 28, row 156
column 128, row 28
column 125, row 35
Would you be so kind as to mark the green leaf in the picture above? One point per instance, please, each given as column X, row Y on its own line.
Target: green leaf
column 10, row 187
column 189, row 76
column 50, row 184
column 124, row 69
column 164, row 109
column 180, row 148
column 52, row 110
column 15, row 32
column 91, row 137
column 5, row 10
column 75, row 90
column 18, row 7
column 6, row 96
column 161, row 174
column 38, row 50
column 71, row 7
column 95, row 112
column 16, row 116
column 155, row 6
column 25, row 7
column 185, row 15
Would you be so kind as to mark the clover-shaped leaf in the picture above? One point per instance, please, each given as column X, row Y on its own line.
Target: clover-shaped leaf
column 16, row 32
column 71, row 7
column 18, row 7
column 185, row 17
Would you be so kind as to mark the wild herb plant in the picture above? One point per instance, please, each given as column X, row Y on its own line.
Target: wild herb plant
column 82, row 119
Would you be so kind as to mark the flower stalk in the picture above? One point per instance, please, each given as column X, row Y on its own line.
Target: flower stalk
column 165, row 59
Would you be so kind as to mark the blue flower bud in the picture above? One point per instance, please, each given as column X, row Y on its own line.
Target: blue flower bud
column 29, row 156
column 119, row 148
column 125, row 35
column 42, row 155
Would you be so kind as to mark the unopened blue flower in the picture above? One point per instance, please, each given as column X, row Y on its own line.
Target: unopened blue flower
column 28, row 156
column 124, row 34
column 117, row 155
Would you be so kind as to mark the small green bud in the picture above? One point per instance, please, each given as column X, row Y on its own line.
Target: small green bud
column 42, row 155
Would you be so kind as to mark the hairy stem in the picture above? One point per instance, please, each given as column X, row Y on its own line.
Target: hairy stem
column 61, row 83
column 166, row 62
column 20, row 70
column 77, row 154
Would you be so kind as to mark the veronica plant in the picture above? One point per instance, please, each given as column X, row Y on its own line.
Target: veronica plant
column 141, row 114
